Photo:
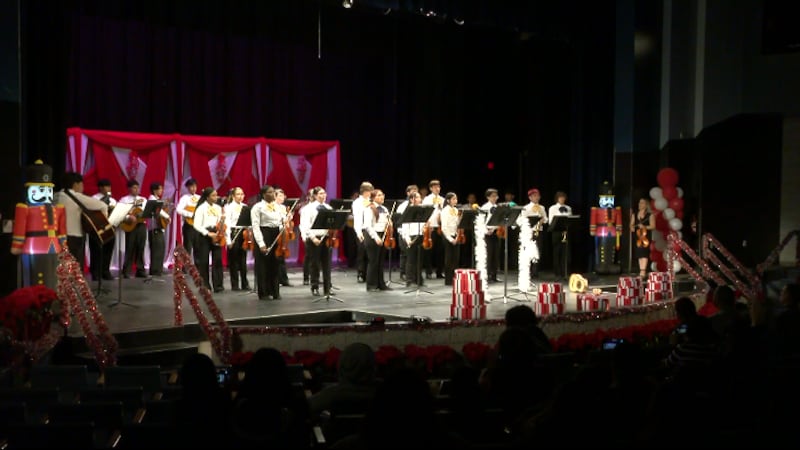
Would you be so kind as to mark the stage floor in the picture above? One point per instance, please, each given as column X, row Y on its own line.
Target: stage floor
column 148, row 304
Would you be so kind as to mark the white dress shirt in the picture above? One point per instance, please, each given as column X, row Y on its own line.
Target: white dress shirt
column 555, row 210
column 307, row 217
column 187, row 200
column 268, row 215
column 489, row 207
column 154, row 223
column 373, row 225
column 206, row 216
column 438, row 202
column 360, row 205
column 106, row 197
column 73, row 211
column 232, row 212
column 450, row 220
column 532, row 209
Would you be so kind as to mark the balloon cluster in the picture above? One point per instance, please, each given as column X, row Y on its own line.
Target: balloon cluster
column 667, row 206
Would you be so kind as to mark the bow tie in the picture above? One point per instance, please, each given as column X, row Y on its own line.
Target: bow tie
column 562, row 209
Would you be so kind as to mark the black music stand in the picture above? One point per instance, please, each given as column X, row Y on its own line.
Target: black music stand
column 119, row 301
column 396, row 221
column 467, row 222
column 506, row 216
column 418, row 214
column 341, row 204
column 562, row 224
column 329, row 220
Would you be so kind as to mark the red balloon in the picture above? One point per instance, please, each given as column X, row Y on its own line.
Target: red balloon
column 675, row 203
column 653, row 206
column 661, row 266
column 667, row 177
column 670, row 193
column 661, row 223
column 679, row 214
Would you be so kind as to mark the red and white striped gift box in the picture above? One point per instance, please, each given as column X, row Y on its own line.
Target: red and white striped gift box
column 659, row 276
column 628, row 301
column 551, row 298
column 551, row 288
column 658, row 286
column 652, row 297
column 629, row 282
column 544, row 309
column 462, row 313
column 630, row 292
column 594, row 302
column 467, row 280
column 468, row 299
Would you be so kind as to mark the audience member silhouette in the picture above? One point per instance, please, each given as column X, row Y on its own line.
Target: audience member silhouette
column 524, row 316
column 269, row 411
column 203, row 405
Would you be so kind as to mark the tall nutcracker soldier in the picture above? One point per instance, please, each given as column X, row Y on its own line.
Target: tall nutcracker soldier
column 606, row 226
column 40, row 228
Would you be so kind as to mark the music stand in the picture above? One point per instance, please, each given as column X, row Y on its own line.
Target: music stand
column 151, row 211
column 467, row 222
column 417, row 214
column 506, row 216
column 115, row 219
column 329, row 220
column 341, row 204
column 562, row 224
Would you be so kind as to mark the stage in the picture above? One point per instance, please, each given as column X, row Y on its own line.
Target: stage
column 140, row 312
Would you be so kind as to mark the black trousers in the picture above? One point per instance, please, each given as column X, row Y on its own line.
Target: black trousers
column 401, row 244
column 267, row 271
column 134, row 249
column 190, row 236
column 362, row 255
column 237, row 261
column 320, row 260
column 283, row 274
column 100, row 255
column 492, row 255
column 204, row 247
column 375, row 259
column 434, row 258
column 77, row 248
column 560, row 256
column 414, row 262
column 452, row 254
column 157, row 249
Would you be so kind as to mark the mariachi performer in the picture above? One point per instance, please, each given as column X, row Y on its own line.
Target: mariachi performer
column 40, row 228
column 605, row 226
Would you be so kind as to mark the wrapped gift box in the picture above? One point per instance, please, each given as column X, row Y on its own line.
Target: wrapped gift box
column 594, row 302
column 470, row 313
column 551, row 288
column 544, row 309
column 468, row 299
column 551, row 298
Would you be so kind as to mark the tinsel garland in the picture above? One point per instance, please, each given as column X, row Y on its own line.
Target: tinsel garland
column 775, row 253
column 480, row 246
column 683, row 248
column 220, row 334
column 72, row 288
column 221, row 172
column 751, row 289
column 528, row 253
column 132, row 168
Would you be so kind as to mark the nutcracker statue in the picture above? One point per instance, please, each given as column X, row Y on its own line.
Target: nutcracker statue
column 606, row 226
column 40, row 228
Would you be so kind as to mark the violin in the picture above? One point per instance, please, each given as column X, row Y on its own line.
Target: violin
column 289, row 229
column 461, row 238
column 388, row 237
column 501, row 232
column 427, row 243
column 220, row 230
column 641, row 237
column 332, row 242
column 248, row 243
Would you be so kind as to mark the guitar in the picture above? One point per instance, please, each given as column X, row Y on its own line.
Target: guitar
column 133, row 218
column 190, row 208
column 164, row 221
column 94, row 222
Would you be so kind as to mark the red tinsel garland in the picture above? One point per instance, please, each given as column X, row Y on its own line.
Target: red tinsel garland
column 751, row 290
column 220, row 334
column 72, row 287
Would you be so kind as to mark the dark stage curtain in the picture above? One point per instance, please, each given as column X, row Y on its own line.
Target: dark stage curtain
column 410, row 99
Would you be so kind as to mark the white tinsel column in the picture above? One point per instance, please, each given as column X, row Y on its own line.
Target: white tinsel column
column 480, row 248
column 528, row 253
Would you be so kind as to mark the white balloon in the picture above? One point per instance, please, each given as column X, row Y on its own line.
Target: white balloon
column 676, row 224
column 656, row 193
column 661, row 203
column 661, row 245
column 680, row 192
column 668, row 213
column 680, row 234
column 654, row 266
column 657, row 235
column 676, row 266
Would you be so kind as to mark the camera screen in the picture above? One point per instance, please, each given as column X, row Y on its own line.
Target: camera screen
column 681, row 329
column 222, row 376
column 610, row 345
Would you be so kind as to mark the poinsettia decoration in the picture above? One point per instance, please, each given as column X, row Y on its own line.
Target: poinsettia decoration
column 133, row 165
column 26, row 312
column 222, row 169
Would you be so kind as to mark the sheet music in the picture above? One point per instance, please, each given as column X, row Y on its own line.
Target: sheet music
column 118, row 214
